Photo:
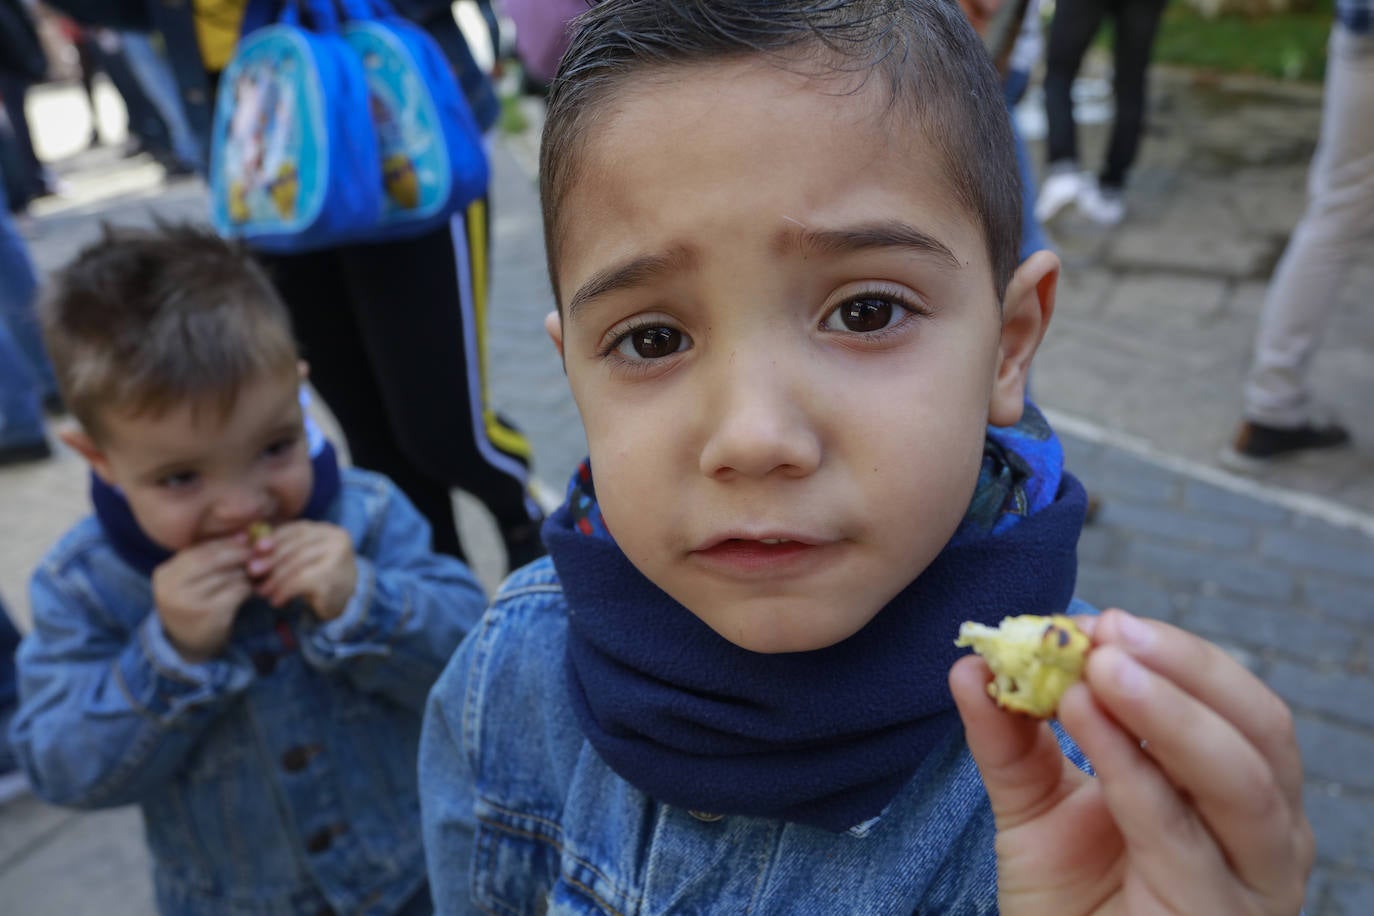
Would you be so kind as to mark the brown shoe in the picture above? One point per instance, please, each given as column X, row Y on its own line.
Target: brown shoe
column 1257, row 440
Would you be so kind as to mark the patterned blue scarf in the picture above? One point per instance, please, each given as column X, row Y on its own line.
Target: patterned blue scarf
column 825, row 738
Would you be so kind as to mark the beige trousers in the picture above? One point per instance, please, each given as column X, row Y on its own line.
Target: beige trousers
column 1336, row 229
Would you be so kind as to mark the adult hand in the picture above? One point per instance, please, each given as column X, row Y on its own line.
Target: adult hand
column 1197, row 802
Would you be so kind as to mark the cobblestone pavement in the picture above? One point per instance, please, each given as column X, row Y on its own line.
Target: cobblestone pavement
column 1141, row 374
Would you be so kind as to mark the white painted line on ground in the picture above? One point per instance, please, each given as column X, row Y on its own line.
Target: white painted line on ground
column 1317, row 507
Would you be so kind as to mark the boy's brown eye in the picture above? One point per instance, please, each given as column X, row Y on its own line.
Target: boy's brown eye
column 866, row 314
column 656, row 343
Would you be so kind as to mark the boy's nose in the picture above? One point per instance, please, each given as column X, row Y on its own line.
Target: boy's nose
column 240, row 505
column 758, row 424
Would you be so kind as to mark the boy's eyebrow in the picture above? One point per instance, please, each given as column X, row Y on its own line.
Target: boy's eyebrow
column 851, row 239
column 636, row 271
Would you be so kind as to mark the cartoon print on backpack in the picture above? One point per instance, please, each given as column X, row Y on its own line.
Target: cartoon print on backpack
column 262, row 150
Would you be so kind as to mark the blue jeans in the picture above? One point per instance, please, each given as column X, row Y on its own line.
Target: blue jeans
column 25, row 374
column 159, row 84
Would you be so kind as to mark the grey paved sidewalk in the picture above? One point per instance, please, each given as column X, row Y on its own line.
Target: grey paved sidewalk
column 1156, row 319
column 1148, row 347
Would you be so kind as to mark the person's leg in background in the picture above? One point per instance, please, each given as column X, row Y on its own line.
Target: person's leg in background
column 1334, row 234
column 25, row 373
column 16, row 191
column 476, row 85
column 493, row 22
column 145, row 121
column 18, row 292
column 477, row 451
column 88, row 65
column 324, row 310
column 31, row 178
column 1071, row 32
column 1137, row 23
column 1032, row 233
column 422, row 312
column 158, row 83
column 22, row 438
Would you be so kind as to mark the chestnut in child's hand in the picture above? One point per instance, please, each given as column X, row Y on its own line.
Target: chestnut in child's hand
column 1033, row 659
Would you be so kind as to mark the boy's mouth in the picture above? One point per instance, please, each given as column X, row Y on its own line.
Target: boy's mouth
column 755, row 555
column 767, row 538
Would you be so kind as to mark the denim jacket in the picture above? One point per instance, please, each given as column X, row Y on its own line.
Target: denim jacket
column 522, row 816
column 278, row 777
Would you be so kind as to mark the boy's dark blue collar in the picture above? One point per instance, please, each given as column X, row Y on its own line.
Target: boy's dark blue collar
column 824, row 738
column 143, row 554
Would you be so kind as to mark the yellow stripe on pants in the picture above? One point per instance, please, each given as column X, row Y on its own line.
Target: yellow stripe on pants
column 499, row 434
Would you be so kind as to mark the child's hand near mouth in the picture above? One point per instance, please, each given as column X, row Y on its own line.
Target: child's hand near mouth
column 313, row 561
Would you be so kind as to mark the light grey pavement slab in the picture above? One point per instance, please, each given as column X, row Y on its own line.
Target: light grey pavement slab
column 1141, row 371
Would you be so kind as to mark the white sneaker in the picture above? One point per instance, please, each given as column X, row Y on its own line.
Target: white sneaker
column 1104, row 206
column 1061, row 187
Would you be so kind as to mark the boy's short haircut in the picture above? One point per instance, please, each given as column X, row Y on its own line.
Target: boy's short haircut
column 146, row 319
column 937, row 74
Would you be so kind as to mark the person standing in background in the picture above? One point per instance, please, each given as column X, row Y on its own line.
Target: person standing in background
column 26, row 376
column 22, row 63
column 159, row 86
column 1334, row 232
column 1075, row 23
column 1025, row 55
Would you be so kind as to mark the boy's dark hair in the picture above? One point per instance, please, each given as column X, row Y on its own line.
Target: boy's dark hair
column 937, row 74
column 146, row 319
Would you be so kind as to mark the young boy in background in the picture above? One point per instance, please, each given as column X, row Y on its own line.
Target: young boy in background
column 783, row 242
column 240, row 639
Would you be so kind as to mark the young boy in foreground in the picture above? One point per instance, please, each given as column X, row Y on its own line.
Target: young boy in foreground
column 783, row 241
column 258, row 691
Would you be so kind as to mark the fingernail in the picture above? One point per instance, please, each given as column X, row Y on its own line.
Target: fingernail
column 1135, row 631
column 1130, row 676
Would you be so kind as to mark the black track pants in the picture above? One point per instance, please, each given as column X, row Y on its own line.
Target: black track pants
column 393, row 333
column 1075, row 24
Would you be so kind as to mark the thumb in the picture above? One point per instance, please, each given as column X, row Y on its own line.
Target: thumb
column 1018, row 757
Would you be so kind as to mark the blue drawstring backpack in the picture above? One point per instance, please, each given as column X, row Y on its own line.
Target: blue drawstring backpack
column 289, row 150
column 432, row 159
column 329, row 131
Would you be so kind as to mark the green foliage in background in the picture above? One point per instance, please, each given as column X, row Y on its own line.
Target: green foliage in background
column 1288, row 46
column 513, row 120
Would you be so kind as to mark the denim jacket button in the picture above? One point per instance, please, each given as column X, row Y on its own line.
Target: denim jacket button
column 706, row 817
column 296, row 759
column 321, row 840
column 264, row 663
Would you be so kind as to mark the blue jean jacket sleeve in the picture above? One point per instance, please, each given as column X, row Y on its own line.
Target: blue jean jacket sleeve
column 409, row 610
column 447, row 791
column 108, row 714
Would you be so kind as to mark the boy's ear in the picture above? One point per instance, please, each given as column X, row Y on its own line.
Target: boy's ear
column 554, row 326
column 303, row 370
column 1025, row 317
column 80, row 442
